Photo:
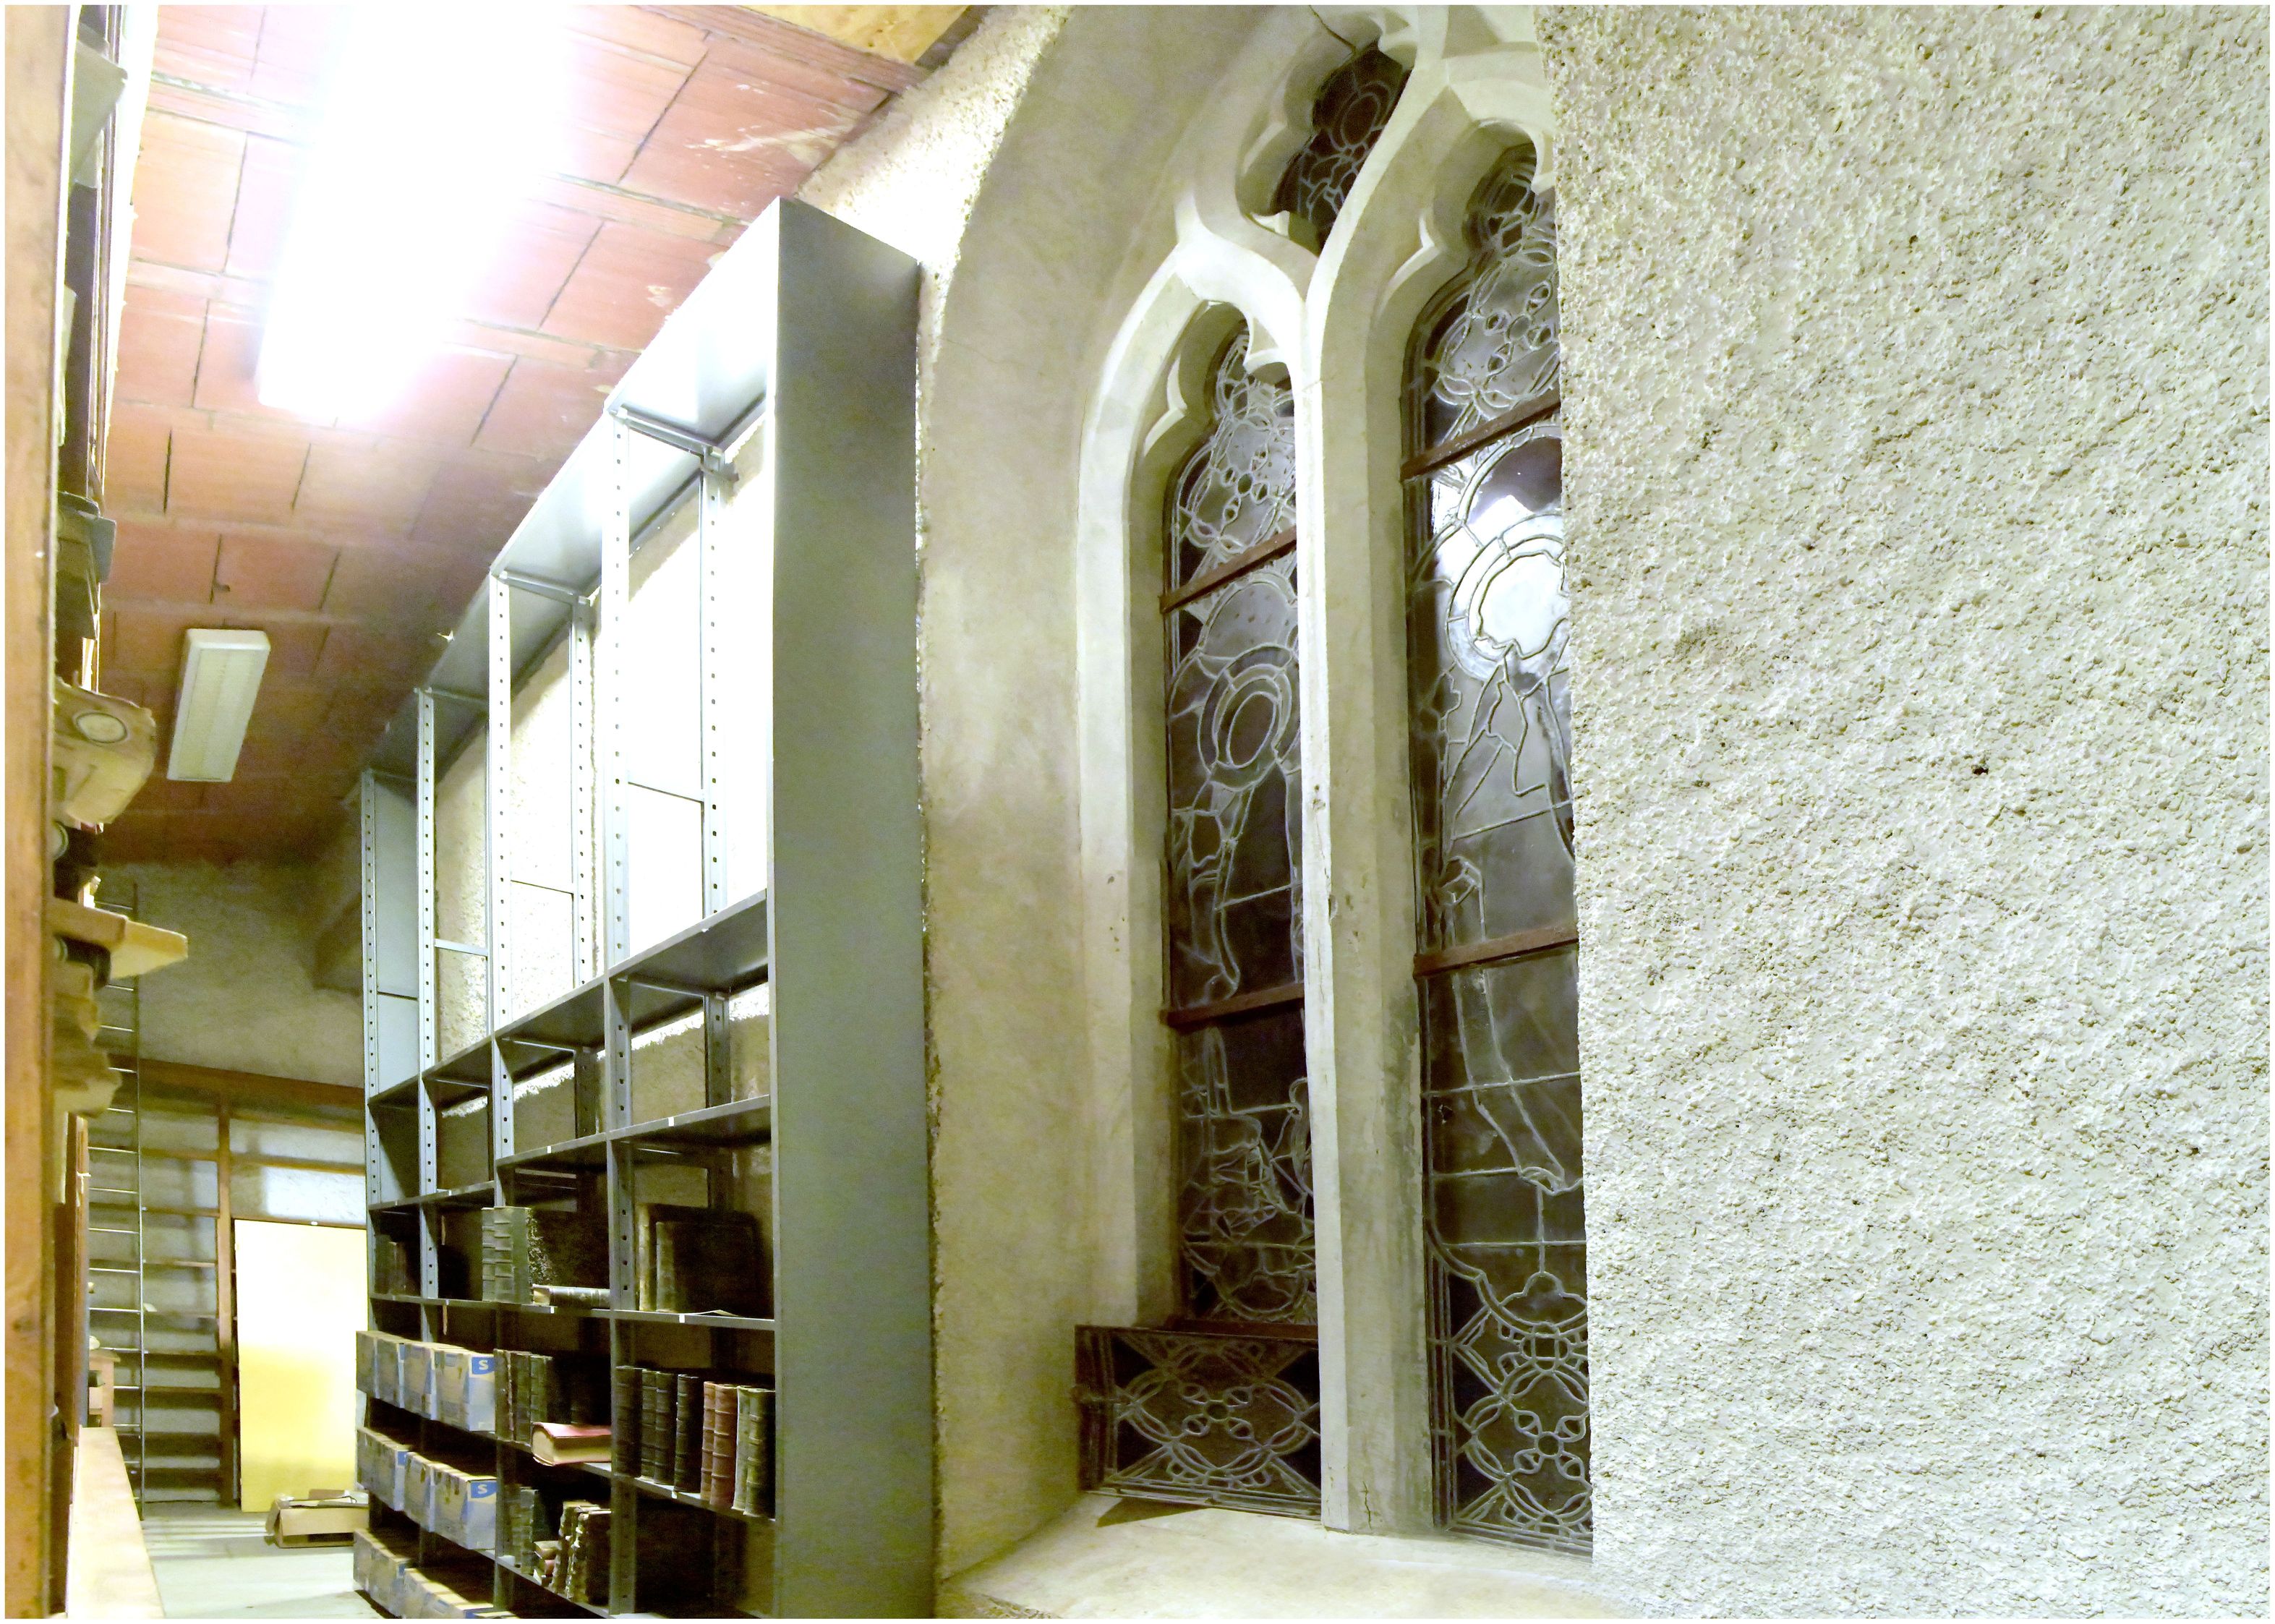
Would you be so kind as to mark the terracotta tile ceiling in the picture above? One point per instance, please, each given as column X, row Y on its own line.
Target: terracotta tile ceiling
column 354, row 548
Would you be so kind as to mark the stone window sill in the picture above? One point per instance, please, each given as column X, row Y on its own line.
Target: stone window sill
column 1109, row 1559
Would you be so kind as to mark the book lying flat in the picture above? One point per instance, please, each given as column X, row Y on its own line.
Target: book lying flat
column 561, row 1443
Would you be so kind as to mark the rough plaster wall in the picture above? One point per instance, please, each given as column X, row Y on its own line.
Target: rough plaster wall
column 1019, row 175
column 542, row 962
column 244, row 999
column 462, row 901
column 1916, row 367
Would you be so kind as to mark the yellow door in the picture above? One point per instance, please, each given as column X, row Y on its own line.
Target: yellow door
column 299, row 1303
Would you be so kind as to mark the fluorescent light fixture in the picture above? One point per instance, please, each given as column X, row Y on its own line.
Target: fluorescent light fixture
column 221, row 675
column 436, row 126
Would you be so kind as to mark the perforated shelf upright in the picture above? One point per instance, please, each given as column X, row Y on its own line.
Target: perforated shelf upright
column 774, row 413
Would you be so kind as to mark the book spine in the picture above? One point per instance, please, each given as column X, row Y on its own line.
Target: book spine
column 732, row 1485
column 718, row 1444
column 655, row 1424
column 746, row 1421
column 687, row 1457
column 624, row 1419
column 762, row 1451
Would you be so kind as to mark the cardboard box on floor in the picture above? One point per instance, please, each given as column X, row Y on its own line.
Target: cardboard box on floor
column 333, row 1514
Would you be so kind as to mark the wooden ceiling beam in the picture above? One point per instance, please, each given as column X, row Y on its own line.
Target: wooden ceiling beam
column 792, row 43
column 184, row 1078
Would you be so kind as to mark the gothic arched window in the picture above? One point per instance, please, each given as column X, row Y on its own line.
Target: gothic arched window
column 1222, row 1407
column 1487, row 626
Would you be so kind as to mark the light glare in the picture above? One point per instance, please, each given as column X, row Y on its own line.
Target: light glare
column 436, row 126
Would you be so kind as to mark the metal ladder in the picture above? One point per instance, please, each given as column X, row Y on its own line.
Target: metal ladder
column 115, row 1203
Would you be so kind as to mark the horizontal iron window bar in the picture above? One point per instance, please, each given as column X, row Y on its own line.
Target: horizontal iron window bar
column 1484, row 434
column 468, row 948
column 1515, row 945
column 1208, row 580
column 1240, row 1003
column 1246, row 1327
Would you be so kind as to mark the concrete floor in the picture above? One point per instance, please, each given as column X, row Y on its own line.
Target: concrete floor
column 212, row 1563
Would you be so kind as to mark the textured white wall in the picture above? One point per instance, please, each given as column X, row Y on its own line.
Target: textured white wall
column 1917, row 375
column 245, row 1000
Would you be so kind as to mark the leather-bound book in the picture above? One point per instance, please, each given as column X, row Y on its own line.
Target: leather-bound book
column 718, row 1443
column 656, row 1431
column 625, row 1419
column 752, row 1406
column 687, row 1457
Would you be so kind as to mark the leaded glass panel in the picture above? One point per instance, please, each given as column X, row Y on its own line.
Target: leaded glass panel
column 1487, row 624
column 1200, row 1417
column 1508, row 1249
column 1238, row 489
column 1490, row 347
column 1347, row 119
column 1246, row 1218
column 1236, row 795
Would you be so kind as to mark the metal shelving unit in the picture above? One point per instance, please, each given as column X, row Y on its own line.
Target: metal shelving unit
column 802, row 335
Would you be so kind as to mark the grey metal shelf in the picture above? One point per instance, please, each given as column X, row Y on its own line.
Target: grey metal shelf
column 737, row 1123
column 802, row 340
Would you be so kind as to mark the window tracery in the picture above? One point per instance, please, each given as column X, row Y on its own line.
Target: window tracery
column 1490, row 690
column 1348, row 119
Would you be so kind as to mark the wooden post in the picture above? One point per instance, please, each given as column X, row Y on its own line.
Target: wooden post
column 38, row 48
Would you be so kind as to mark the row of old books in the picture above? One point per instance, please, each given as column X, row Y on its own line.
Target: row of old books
column 523, row 1519
column 525, row 1247
column 533, row 1389
column 576, row 1565
column 706, row 1438
column 698, row 1260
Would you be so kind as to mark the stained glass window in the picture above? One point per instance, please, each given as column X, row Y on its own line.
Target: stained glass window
column 1490, row 684
column 1235, row 901
column 1347, row 119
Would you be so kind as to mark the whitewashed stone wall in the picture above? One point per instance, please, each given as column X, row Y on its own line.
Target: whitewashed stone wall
column 1917, row 375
